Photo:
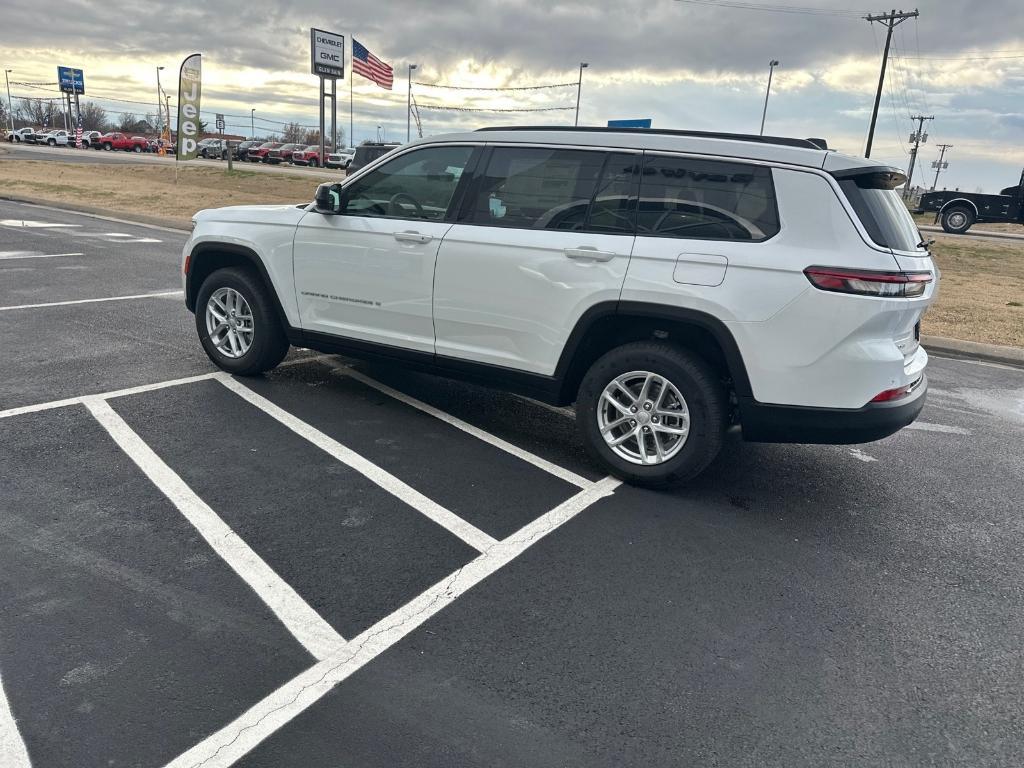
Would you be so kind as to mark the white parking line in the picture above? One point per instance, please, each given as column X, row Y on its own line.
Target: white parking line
column 443, row 517
column 102, row 395
column 94, row 301
column 29, row 224
column 309, row 628
column 226, row 746
column 487, row 437
column 6, row 255
column 925, row 426
column 858, row 454
column 13, row 752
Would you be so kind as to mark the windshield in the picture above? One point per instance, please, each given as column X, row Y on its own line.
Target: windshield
column 881, row 210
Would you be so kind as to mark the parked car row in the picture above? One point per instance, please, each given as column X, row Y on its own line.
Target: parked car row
column 110, row 141
column 269, row 152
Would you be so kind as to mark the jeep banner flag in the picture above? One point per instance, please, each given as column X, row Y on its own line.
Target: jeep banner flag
column 189, row 88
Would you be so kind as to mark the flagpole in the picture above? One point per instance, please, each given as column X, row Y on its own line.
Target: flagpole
column 351, row 77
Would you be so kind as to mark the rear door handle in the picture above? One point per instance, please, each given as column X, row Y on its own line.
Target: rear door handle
column 413, row 237
column 586, row 253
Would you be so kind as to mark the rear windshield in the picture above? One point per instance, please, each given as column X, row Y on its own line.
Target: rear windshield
column 881, row 210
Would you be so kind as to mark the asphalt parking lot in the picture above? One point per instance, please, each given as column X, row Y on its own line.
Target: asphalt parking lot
column 338, row 564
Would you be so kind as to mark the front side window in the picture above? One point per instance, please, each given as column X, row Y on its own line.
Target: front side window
column 416, row 185
column 563, row 189
column 706, row 200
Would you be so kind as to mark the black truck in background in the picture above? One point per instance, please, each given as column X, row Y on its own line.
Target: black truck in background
column 958, row 211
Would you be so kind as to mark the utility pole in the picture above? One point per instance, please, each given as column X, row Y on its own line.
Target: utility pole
column 579, row 89
column 159, row 99
column 10, row 106
column 917, row 138
column 252, row 121
column 939, row 165
column 891, row 20
column 771, row 68
column 408, row 107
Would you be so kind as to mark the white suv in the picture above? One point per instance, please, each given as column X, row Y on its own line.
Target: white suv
column 669, row 283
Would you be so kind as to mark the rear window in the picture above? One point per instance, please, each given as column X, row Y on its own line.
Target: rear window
column 881, row 210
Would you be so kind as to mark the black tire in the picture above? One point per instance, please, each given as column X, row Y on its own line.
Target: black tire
column 107, row 146
column 698, row 384
column 52, row 142
column 313, row 163
column 269, row 344
column 957, row 219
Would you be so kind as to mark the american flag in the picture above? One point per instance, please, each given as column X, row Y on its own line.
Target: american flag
column 370, row 67
column 78, row 131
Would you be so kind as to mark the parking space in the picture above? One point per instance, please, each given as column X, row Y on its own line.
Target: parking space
column 338, row 564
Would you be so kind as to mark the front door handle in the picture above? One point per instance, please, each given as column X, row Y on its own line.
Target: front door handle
column 586, row 253
column 413, row 237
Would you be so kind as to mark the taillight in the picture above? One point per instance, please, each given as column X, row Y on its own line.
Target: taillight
column 863, row 282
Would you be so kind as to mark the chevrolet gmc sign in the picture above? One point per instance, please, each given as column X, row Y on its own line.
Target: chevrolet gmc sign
column 328, row 54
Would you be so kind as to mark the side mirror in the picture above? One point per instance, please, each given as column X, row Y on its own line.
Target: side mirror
column 328, row 199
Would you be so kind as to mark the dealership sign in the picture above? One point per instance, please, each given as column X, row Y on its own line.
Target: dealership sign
column 71, row 80
column 328, row 53
column 189, row 88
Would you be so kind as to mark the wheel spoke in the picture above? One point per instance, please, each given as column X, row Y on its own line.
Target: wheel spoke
column 642, row 444
column 612, row 425
column 622, row 408
column 684, row 430
column 624, row 437
column 626, row 392
column 657, row 446
column 645, row 388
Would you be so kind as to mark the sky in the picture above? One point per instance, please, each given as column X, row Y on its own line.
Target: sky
column 687, row 64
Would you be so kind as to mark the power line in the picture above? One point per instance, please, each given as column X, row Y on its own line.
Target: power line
column 487, row 109
column 506, row 88
column 776, row 8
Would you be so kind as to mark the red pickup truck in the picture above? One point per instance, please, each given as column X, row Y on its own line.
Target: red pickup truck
column 109, row 141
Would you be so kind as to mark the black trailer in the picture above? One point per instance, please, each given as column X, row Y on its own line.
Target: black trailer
column 958, row 211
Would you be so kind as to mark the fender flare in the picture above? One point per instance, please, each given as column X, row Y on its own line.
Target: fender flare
column 959, row 200
column 709, row 323
column 249, row 255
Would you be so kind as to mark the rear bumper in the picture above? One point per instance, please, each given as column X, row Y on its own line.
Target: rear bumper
column 764, row 423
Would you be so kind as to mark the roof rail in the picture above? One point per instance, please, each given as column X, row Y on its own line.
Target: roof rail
column 781, row 140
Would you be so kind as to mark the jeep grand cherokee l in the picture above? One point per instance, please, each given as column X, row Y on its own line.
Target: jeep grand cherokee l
column 671, row 284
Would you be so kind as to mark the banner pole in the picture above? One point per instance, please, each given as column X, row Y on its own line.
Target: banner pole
column 351, row 130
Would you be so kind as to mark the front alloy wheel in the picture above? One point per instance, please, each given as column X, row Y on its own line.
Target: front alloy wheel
column 229, row 322
column 643, row 418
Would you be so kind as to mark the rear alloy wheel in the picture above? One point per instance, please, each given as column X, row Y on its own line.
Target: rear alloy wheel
column 238, row 324
column 107, row 146
column 652, row 413
column 313, row 163
column 957, row 220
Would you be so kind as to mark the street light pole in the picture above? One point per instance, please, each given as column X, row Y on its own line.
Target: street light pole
column 252, row 121
column 159, row 99
column 408, row 107
column 764, row 113
column 579, row 89
column 10, row 106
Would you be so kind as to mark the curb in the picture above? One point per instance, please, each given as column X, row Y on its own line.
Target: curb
column 138, row 220
column 974, row 233
column 973, row 350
